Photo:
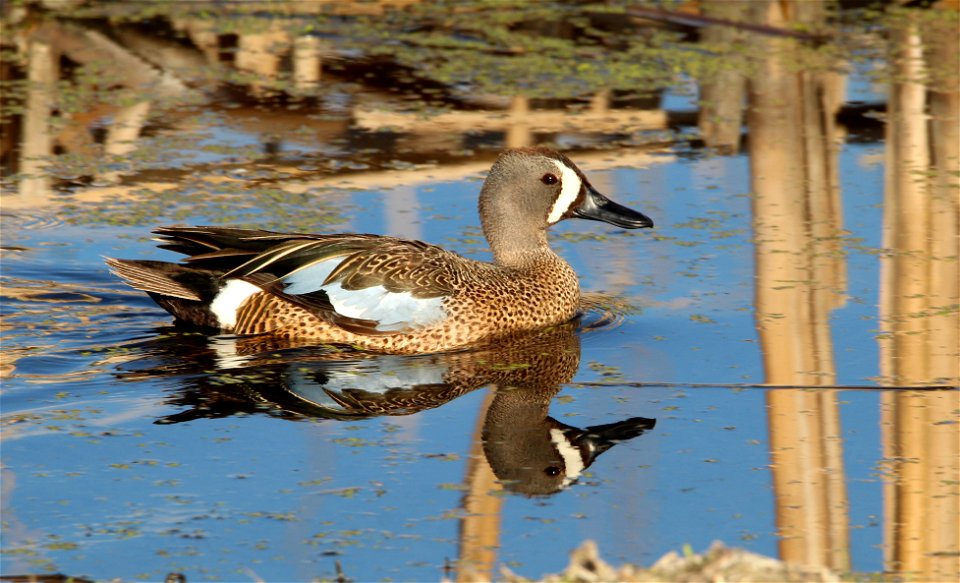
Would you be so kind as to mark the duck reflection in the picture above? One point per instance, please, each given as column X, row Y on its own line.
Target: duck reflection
column 528, row 451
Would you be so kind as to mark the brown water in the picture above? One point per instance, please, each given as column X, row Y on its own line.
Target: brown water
column 774, row 365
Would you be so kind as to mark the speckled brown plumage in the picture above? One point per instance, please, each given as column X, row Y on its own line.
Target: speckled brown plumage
column 486, row 304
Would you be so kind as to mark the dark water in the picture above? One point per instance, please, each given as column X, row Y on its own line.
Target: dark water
column 132, row 449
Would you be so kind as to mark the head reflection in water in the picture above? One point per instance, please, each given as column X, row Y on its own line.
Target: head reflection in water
column 534, row 454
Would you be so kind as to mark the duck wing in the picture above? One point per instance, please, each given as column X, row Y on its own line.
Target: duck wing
column 390, row 284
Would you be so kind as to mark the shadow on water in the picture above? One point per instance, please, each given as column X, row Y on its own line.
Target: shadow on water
column 529, row 451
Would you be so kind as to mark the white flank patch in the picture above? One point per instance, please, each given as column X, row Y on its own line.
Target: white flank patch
column 228, row 301
column 572, row 460
column 568, row 193
column 393, row 311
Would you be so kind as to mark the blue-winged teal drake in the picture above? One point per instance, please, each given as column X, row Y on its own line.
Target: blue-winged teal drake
column 382, row 293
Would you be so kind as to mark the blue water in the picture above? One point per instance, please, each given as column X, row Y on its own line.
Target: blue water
column 93, row 486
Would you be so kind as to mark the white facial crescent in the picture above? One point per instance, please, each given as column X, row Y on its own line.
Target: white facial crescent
column 570, row 188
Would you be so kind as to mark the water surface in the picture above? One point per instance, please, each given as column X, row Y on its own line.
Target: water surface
column 773, row 326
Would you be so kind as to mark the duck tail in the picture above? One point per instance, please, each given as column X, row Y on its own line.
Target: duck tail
column 183, row 291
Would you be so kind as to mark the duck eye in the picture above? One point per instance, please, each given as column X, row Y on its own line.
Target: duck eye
column 552, row 470
column 549, row 178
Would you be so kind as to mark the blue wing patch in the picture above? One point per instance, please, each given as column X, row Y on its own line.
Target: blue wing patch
column 393, row 311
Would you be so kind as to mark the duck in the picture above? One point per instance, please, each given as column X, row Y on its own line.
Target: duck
column 385, row 294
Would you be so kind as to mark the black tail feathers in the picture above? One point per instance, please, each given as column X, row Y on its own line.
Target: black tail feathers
column 183, row 291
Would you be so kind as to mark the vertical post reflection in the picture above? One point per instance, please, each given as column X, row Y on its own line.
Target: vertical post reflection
column 402, row 209
column 519, row 134
column 482, row 508
column 260, row 54
column 918, row 299
column 615, row 273
column 721, row 96
column 37, row 139
column 799, row 279
column 307, row 62
column 123, row 133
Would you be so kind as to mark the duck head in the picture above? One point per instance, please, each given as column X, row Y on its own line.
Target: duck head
column 530, row 189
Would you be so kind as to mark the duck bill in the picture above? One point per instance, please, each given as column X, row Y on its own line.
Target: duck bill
column 595, row 440
column 597, row 207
